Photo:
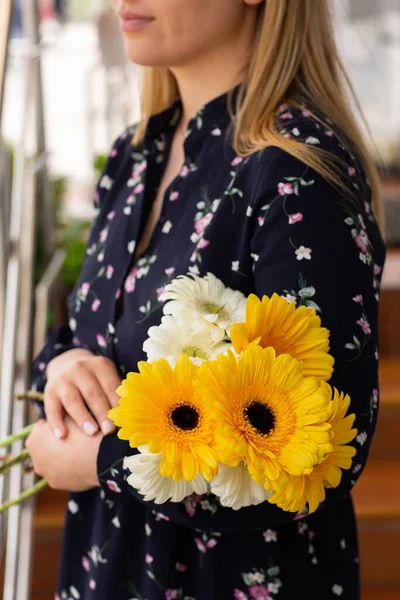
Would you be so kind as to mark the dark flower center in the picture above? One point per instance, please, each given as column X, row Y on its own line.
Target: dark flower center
column 185, row 417
column 260, row 417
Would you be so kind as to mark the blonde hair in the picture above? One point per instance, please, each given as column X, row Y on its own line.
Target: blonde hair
column 294, row 60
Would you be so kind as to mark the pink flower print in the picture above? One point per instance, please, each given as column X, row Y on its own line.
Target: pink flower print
column 367, row 207
column 329, row 133
column 139, row 168
column 286, row 115
column 110, row 271
column 305, row 113
column 139, row 188
column 295, row 218
column 239, row 595
column 130, row 284
column 171, row 594
column 93, row 555
column 42, row 366
column 375, row 398
column 111, row 215
column 259, row 591
column 283, row 107
column 113, row 486
column 236, row 161
column 181, row 567
column 114, row 153
column 377, row 269
column 149, row 559
column 356, row 468
column 85, row 287
column 76, row 341
column 173, row 196
column 101, row 341
column 202, row 244
column 170, row 271
column 362, row 241
column 200, row 545
column 159, row 292
column 285, row 188
column 364, row 326
column 92, row 584
column 358, row 298
column 117, row 293
column 95, row 305
column 211, row 543
column 103, row 235
column 203, row 222
column 260, row 221
column 57, row 597
column 351, row 171
column 193, row 257
column 184, row 171
column 86, row 563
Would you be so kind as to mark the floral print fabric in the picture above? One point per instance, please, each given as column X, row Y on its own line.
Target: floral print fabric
column 263, row 224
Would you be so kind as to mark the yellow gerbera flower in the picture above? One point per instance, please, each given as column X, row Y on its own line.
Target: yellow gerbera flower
column 266, row 412
column 289, row 330
column 295, row 492
column 161, row 408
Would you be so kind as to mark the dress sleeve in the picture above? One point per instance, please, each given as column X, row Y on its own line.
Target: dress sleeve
column 62, row 338
column 319, row 249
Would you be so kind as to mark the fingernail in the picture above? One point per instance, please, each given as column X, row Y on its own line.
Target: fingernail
column 89, row 427
column 58, row 433
column 107, row 426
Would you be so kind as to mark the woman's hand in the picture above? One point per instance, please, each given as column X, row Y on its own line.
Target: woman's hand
column 77, row 381
column 70, row 464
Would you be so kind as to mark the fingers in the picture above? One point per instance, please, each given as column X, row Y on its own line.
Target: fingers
column 74, row 404
column 54, row 412
column 85, row 390
column 109, row 379
column 97, row 400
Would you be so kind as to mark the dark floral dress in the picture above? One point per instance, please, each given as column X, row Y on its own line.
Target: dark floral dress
column 263, row 224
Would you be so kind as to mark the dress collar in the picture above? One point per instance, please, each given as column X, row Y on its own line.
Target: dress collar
column 210, row 117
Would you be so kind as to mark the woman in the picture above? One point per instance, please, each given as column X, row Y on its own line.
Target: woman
column 248, row 164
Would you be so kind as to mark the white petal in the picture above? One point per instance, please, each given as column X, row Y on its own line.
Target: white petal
column 237, row 489
column 146, row 478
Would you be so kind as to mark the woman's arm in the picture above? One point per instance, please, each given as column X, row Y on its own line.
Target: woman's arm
column 316, row 248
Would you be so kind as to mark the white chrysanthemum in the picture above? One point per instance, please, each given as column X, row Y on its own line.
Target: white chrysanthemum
column 206, row 298
column 146, row 478
column 198, row 339
column 236, row 489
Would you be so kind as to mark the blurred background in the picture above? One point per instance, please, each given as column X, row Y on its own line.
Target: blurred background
column 67, row 90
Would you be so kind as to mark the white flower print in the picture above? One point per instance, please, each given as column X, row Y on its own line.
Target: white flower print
column 216, row 131
column 167, row 227
column 131, row 246
column 249, row 211
column 72, row 324
column 313, row 141
column 147, row 529
column 290, row 298
column 337, row 589
column 74, row 592
column 116, row 522
column 73, row 507
column 362, row 438
column 270, row 536
column 303, row 252
column 106, row 182
column 215, row 204
column 235, row 265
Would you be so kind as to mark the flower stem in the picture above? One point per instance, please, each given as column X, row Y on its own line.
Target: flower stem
column 12, row 460
column 35, row 489
column 21, row 435
column 30, row 395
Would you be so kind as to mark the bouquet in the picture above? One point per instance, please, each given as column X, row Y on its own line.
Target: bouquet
column 233, row 400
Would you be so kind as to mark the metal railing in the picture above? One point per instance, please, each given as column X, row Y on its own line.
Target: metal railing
column 20, row 332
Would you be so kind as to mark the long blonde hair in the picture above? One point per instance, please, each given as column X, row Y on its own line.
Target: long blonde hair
column 294, row 60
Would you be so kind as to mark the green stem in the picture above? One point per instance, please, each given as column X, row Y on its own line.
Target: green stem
column 38, row 487
column 21, row 435
column 30, row 395
column 12, row 460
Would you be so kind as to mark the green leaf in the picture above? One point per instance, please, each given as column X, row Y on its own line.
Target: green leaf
column 307, row 292
column 350, row 346
column 246, row 579
column 349, row 221
column 150, row 575
column 273, row 571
